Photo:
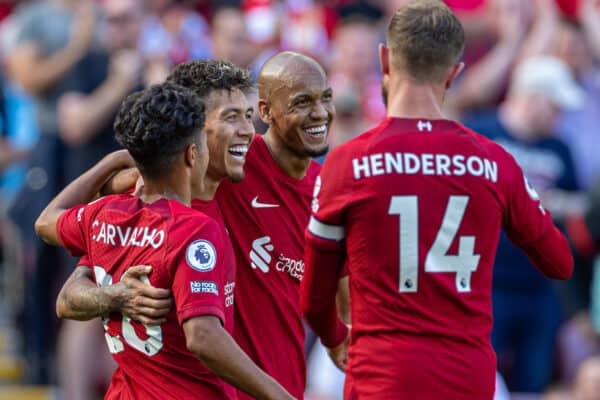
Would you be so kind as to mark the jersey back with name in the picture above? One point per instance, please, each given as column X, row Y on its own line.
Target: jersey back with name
column 184, row 247
column 420, row 205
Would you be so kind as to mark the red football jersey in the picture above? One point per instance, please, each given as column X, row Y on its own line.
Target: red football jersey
column 185, row 249
column 417, row 206
column 266, row 215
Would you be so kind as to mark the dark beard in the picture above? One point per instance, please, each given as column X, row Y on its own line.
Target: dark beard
column 317, row 152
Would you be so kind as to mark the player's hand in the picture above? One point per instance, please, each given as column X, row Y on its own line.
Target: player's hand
column 123, row 181
column 339, row 354
column 140, row 301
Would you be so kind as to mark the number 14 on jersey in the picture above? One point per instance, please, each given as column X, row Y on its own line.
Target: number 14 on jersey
column 437, row 260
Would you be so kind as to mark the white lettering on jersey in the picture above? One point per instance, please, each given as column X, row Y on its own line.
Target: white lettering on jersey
column 422, row 125
column 229, row 294
column 260, row 258
column 116, row 235
column 426, row 164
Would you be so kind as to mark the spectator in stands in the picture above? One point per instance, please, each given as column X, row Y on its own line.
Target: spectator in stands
column 52, row 53
column 229, row 36
column 173, row 33
column 524, row 124
column 354, row 71
column 85, row 125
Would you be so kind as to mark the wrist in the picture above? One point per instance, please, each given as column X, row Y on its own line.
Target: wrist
column 341, row 332
column 113, row 299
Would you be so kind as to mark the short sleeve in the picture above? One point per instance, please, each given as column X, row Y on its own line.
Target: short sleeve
column 73, row 225
column 199, row 275
column 331, row 197
column 84, row 261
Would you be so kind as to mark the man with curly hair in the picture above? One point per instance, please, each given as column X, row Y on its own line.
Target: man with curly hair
column 266, row 212
column 162, row 128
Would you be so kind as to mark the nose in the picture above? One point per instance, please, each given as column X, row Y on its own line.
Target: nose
column 319, row 111
column 247, row 128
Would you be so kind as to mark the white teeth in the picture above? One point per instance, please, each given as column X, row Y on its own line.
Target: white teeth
column 317, row 130
column 238, row 152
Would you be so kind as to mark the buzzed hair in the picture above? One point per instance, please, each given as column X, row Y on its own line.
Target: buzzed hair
column 425, row 39
column 281, row 64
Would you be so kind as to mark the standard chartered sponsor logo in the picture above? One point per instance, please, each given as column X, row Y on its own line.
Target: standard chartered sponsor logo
column 293, row 267
column 260, row 258
column 259, row 255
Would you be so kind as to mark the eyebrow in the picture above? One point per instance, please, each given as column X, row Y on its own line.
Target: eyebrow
column 312, row 94
column 236, row 110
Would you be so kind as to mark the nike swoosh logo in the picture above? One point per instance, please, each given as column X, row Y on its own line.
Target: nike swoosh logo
column 256, row 204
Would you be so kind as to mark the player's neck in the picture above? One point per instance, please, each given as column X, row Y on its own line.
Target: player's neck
column 211, row 184
column 407, row 99
column 155, row 190
column 292, row 164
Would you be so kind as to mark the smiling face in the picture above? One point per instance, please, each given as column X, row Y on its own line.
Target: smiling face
column 229, row 131
column 301, row 110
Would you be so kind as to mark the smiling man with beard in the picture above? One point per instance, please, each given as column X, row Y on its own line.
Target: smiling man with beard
column 267, row 212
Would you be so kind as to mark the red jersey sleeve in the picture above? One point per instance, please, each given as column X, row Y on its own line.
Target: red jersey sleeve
column 530, row 227
column 199, row 276
column 73, row 225
column 324, row 254
column 332, row 193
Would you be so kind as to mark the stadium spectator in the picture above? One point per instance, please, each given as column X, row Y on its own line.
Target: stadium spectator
column 523, row 125
column 433, row 308
column 173, row 33
column 54, row 52
column 85, row 117
column 163, row 130
column 229, row 36
column 354, row 74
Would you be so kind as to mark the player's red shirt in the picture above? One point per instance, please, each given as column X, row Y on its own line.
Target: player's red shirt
column 417, row 207
column 185, row 248
column 266, row 215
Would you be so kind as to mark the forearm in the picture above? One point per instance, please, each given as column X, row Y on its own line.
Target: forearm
column 221, row 354
column 80, row 191
column 80, row 299
column 591, row 27
column 37, row 73
column 82, row 119
column 484, row 81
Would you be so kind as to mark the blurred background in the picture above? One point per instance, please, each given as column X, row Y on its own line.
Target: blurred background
column 532, row 82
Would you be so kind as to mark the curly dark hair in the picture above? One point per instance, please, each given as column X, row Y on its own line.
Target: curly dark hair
column 206, row 76
column 157, row 124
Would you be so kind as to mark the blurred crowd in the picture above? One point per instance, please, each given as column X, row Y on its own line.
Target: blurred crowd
column 531, row 82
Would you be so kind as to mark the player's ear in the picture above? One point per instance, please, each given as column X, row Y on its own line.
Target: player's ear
column 454, row 72
column 190, row 156
column 264, row 110
column 384, row 59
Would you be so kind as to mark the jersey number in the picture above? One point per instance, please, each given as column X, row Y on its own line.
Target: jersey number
column 150, row 346
column 437, row 259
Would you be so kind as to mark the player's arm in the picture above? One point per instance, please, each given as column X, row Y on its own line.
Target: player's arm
column 82, row 300
column 323, row 259
column 530, row 227
column 214, row 346
column 123, row 181
column 80, row 191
